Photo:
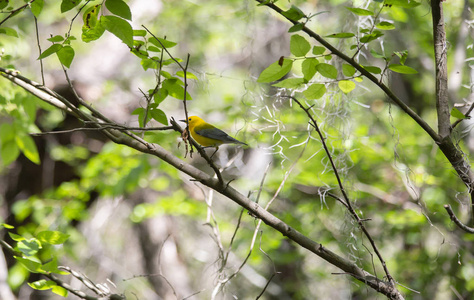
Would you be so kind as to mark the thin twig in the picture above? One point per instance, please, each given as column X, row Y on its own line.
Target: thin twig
column 39, row 49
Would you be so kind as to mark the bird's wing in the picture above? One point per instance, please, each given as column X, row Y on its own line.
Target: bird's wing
column 212, row 133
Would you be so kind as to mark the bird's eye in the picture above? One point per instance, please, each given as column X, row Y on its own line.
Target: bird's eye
column 189, row 119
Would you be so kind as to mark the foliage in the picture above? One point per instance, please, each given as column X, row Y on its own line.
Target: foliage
column 390, row 167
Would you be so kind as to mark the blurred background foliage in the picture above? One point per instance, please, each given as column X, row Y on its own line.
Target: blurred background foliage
column 129, row 215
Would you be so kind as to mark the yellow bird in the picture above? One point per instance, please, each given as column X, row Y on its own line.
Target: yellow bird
column 208, row 135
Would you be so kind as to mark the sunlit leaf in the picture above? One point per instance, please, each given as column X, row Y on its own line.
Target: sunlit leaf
column 52, row 237
column 455, row 112
column 346, row 86
column 299, row 46
column 275, row 71
column 360, row 11
column 118, row 27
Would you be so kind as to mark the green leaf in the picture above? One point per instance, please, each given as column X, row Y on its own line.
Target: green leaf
column 341, row 35
column 402, row 69
column 3, row 4
column 289, row 83
column 9, row 31
column 29, row 247
column 56, row 39
column 296, row 27
column 327, row 70
column 7, row 226
column 51, row 50
column 9, row 152
column 139, row 32
column 360, row 11
column 91, row 16
column 402, row 3
column 455, row 112
column 159, row 115
column 164, row 43
column 318, row 50
column 175, row 89
column 346, row 86
column 294, row 13
column 118, row 27
column 28, row 147
column 189, row 75
column 376, row 54
column 148, row 63
column 7, row 132
column 66, row 55
column 315, row 91
column 348, row 70
column 370, row 37
column 299, row 46
column 58, row 290
column 403, row 56
column 37, row 7
column 42, row 284
column 92, row 28
column 385, row 26
column 52, row 237
column 15, row 237
column 67, row 5
column 308, row 67
column 119, row 8
column 159, row 96
column 372, row 69
column 29, row 264
column 275, row 71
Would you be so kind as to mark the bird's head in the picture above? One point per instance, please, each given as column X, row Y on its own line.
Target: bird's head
column 193, row 120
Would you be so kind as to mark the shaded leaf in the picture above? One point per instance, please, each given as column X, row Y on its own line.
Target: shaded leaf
column 348, row 70
column 51, row 50
column 290, row 83
column 341, row 35
column 37, row 7
column 294, row 13
column 69, row 4
column 119, row 8
column 315, row 91
column 9, row 31
column 308, row 67
column 402, row 69
column 66, row 55
column 385, row 26
column 327, row 70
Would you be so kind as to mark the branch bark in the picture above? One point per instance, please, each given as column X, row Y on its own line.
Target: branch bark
column 440, row 50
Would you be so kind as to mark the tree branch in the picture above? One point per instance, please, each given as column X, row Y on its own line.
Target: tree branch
column 440, row 50
column 134, row 142
column 456, row 220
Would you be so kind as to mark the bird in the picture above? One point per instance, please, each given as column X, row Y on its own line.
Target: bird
column 208, row 135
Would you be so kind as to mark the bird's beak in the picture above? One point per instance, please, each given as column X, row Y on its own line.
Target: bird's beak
column 183, row 121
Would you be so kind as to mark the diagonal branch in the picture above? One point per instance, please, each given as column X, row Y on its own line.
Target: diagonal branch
column 256, row 210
